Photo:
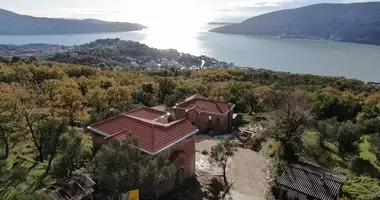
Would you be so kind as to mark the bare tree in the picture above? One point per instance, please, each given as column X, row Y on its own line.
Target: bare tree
column 30, row 109
column 9, row 126
column 290, row 121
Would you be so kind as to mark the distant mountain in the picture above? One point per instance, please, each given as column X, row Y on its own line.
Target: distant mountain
column 357, row 22
column 14, row 24
column 220, row 23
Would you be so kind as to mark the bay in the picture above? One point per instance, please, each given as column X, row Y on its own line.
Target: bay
column 290, row 55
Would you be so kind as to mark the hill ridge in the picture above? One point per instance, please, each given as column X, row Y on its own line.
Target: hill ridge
column 16, row 24
column 354, row 22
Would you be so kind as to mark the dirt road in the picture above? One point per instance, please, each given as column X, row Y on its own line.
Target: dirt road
column 247, row 169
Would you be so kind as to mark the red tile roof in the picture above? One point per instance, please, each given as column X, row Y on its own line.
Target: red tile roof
column 153, row 136
column 146, row 113
column 202, row 104
column 197, row 96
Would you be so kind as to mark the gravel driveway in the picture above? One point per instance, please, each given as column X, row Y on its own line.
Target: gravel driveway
column 247, row 169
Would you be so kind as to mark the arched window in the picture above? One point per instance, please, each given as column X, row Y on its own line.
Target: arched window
column 179, row 177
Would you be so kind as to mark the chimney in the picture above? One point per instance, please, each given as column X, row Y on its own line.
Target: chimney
column 323, row 177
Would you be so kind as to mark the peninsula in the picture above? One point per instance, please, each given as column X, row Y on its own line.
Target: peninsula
column 16, row 24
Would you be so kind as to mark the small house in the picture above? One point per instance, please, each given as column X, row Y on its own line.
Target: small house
column 77, row 187
column 307, row 182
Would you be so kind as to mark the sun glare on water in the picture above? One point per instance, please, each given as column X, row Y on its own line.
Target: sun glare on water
column 175, row 24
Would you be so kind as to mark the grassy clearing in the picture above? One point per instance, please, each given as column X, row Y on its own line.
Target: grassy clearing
column 361, row 172
column 269, row 149
column 254, row 118
column 364, row 149
column 360, row 187
column 24, row 154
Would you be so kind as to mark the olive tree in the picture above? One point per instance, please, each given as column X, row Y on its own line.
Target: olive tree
column 120, row 166
column 219, row 155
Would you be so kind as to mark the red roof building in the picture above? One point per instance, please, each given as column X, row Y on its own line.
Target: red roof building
column 156, row 135
column 175, row 140
column 205, row 113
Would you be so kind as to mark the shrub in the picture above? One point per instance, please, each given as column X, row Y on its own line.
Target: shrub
column 255, row 142
column 204, row 152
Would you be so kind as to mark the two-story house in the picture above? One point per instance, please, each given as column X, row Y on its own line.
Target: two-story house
column 175, row 140
column 206, row 114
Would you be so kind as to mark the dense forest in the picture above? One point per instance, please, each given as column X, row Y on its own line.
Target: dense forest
column 111, row 53
column 121, row 53
column 45, row 106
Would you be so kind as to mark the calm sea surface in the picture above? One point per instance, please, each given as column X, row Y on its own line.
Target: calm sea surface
column 292, row 55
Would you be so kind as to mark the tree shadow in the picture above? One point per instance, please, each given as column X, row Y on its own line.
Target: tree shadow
column 324, row 157
column 214, row 189
column 33, row 166
column 362, row 166
column 190, row 190
column 241, row 121
column 39, row 183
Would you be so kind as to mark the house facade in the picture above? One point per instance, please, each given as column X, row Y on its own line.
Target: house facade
column 157, row 136
column 307, row 182
column 206, row 114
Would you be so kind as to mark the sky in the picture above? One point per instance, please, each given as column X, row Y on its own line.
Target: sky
column 156, row 13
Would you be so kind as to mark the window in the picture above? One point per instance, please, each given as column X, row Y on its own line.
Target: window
column 309, row 197
column 209, row 119
column 217, row 120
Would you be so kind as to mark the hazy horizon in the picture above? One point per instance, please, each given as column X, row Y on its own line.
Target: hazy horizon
column 171, row 23
column 153, row 13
